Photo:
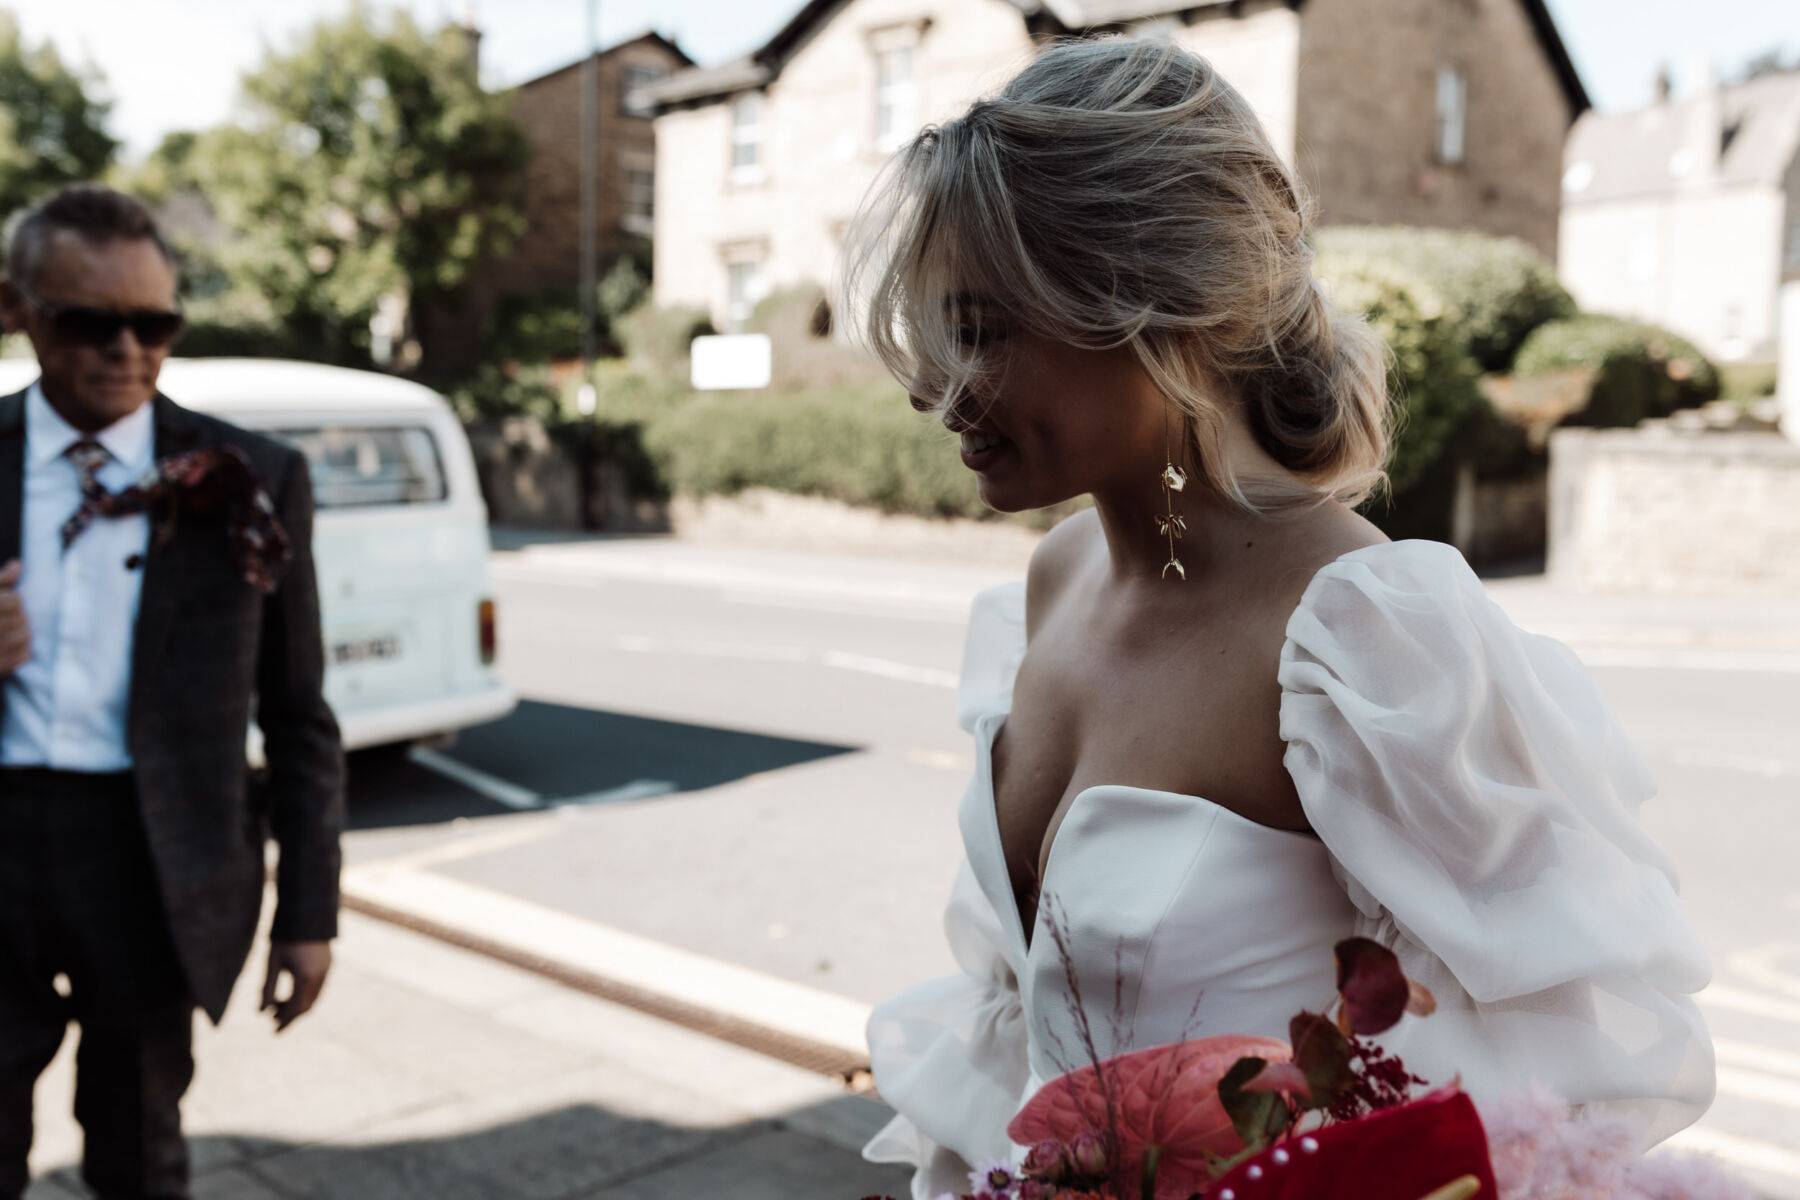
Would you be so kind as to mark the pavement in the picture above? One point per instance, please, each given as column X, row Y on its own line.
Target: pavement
column 469, row 1043
column 431, row 1073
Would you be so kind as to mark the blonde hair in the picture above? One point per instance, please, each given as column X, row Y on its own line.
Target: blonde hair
column 1121, row 193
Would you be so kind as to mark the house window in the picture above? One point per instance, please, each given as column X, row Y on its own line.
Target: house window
column 743, row 288
column 1452, row 114
column 632, row 82
column 640, row 198
column 746, row 135
column 896, row 96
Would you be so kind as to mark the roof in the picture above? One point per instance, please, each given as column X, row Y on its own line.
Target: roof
column 243, row 385
column 649, row 35
column 1074, row 16
column 1615, row 156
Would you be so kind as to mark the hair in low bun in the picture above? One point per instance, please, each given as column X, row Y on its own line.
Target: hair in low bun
column 1121, row 193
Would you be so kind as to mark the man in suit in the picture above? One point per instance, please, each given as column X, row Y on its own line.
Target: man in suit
column 134, row 649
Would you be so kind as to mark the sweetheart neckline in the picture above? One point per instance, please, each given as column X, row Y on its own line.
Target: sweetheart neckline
column 987, row 727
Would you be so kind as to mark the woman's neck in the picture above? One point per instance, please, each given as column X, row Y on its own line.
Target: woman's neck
column 1213, row 530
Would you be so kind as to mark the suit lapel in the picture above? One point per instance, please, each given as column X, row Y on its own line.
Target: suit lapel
column 160, row 599
column 12, row 474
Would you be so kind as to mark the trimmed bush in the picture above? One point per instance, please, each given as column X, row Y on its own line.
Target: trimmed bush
column 861, row 444
column 1431, row 378
column 806, row 352
column 1494, row 290
column 657, row 339
column 1638, row 370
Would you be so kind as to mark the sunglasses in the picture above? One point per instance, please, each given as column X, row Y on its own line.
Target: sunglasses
column 80, row 325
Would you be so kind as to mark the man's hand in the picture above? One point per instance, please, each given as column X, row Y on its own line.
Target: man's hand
column 306, row 964
column 15, row 634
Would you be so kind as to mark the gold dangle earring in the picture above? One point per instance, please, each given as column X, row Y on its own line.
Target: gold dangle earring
column 1170, row 524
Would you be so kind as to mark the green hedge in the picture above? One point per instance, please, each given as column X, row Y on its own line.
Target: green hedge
column 861, row 444
column 1495, row 291
column 1430, row 375
column 1639, row 370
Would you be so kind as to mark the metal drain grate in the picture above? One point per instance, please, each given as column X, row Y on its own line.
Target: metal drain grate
column 850, row 1068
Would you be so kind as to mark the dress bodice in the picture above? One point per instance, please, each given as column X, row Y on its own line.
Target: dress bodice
column 1177, row 917
column 1476, row 811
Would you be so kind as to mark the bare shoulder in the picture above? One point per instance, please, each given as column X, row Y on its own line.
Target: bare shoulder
column 1312, row 540
column 1057, row 561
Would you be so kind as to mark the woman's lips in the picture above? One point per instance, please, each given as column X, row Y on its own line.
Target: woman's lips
column 980, row 451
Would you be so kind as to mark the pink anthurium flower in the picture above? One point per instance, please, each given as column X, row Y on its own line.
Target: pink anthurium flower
column 1166, row 1097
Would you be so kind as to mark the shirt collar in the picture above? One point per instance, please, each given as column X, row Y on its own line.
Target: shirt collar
column 48, row 437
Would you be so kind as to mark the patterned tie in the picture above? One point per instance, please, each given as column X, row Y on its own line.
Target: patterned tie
column 217, row 481
column 89, row 456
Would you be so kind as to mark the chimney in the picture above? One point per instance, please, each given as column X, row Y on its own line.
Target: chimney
column 471, row 33
column 1696, row 162
column 1665, row 84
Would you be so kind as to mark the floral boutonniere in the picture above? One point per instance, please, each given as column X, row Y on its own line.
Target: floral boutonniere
column 217, row 480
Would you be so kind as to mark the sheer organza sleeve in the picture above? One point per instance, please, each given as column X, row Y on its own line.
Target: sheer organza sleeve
column 1480, row 804
column 949, row 1055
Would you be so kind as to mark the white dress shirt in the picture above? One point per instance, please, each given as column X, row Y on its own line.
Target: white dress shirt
column 66, row 707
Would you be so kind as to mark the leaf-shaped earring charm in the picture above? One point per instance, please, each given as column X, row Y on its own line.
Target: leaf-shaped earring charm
column 1174, row 564
column 1171, row 524
column 1174, row 478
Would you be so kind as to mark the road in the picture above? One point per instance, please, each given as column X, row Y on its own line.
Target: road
column 750, row 757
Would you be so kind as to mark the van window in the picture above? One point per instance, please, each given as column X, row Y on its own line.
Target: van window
column 357, row 465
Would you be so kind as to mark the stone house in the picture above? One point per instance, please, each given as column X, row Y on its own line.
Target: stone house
column 1444, row 113
column 547, row 255
column 1686, row 213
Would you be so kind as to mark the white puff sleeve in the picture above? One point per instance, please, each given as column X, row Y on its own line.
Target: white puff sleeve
column 950, row 1054
column 1480, row 804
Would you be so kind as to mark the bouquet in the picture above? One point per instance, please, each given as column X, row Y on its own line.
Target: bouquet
column 1326, row 1115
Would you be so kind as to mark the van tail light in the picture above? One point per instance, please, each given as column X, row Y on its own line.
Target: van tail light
column 490, row 639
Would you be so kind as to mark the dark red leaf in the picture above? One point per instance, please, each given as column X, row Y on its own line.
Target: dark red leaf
column 1322, row 1053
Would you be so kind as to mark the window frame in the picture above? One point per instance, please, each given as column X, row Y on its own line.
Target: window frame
column 656, row 75
column 1450, row 129
column 749, row 135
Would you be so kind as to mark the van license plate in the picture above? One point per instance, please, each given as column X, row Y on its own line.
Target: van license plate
column 365, row 650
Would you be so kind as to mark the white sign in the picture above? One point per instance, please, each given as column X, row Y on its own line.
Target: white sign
column 734, row 360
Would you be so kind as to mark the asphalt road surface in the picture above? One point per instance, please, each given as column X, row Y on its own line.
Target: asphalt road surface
column 752, row 756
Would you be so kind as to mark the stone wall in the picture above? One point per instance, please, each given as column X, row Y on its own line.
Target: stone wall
column 1659, row 509
column 1368, row 106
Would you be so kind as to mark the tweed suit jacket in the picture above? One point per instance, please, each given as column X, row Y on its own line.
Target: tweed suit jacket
column 209, row 652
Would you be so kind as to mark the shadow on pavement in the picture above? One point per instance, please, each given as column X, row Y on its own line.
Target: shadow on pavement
column 579, row 1150
column 563, row 753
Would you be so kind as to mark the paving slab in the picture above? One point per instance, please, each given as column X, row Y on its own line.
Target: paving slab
column 434, row 1073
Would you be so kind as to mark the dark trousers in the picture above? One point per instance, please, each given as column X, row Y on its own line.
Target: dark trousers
column 78, row 898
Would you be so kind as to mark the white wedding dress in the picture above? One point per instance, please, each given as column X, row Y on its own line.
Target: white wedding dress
column 1476, row 811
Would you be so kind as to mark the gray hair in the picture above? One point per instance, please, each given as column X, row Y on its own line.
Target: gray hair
column 95, row 212
column 1121, row 193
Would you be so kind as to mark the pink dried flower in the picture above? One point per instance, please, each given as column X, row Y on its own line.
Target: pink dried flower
column 1088, row 1151
column 1049, row 1162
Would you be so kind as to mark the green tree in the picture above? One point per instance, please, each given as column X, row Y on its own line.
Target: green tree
column 51, row 131
column 368, row 173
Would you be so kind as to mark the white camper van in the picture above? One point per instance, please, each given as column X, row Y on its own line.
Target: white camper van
column 400, row 537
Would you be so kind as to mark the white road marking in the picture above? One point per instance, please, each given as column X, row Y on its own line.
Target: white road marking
column 888, row 669
column 1739, row 1151
column 637, row 789
column 944, row 760
column 1754, row 1004
column 1748, row 1054
column 614, row 954
column 492, row 786
column 842, row 660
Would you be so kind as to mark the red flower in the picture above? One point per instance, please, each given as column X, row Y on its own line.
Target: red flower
column 1166, row 1097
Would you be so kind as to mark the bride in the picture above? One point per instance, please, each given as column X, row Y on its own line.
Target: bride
column 1227, row 723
